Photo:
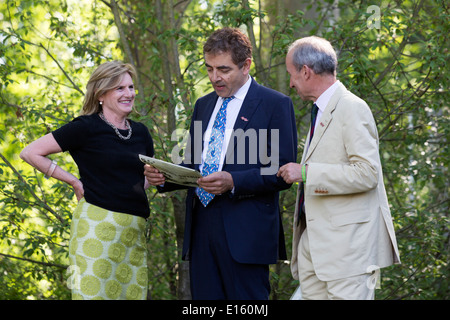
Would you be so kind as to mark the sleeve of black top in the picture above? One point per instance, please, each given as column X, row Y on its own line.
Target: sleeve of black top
column 73, row 134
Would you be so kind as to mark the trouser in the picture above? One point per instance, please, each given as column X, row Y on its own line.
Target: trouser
column 358, row 287
column 215, row 275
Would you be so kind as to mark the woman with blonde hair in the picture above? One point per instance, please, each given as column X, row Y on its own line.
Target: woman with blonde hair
column 107, row 247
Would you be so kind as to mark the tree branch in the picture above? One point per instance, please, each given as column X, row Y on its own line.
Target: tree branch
column 47, row 264
column 256, row 50
column 51, row 56
column 126, row 47
column 62, row 69
column 21, row 178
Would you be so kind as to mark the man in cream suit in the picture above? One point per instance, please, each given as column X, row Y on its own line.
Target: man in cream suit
column 343, row 230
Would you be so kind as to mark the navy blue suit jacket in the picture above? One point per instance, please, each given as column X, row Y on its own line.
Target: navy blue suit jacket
column 252, row 218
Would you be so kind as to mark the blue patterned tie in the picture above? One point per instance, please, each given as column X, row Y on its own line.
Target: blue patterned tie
column 211, row 163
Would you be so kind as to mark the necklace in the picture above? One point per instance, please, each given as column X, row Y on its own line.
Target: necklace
column 127, row 123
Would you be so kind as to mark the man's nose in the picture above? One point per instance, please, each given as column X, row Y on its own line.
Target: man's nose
column 215, row 76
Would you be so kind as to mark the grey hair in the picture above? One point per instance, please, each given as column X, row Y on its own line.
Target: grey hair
column 316, row 53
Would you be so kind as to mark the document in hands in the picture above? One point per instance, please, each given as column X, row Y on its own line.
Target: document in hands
column 172, row 172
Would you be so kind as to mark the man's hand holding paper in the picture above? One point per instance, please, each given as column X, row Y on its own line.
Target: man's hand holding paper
column 217, row 182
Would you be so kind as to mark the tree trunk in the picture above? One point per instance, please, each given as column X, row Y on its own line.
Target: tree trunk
column 178, row 203
column 126, row 48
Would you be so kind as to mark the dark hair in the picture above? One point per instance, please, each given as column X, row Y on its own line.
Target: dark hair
column 230, row 40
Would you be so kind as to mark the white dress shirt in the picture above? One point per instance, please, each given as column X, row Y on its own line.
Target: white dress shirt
column 233, row 108
column 324, row 98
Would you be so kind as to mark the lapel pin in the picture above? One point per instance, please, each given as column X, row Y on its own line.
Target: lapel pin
column 244, row 119
column 322, row 124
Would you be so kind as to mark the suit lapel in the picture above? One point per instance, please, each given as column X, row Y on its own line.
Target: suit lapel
column 324, row 122
column 248, row 108
column 321, row 127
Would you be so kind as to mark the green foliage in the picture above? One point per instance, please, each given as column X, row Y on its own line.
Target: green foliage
column 49, row 48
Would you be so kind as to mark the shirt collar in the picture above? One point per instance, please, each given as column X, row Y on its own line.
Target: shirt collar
column 325, row 97
column 242, row 92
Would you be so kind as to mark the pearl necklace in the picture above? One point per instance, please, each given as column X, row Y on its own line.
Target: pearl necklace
column 127, row 123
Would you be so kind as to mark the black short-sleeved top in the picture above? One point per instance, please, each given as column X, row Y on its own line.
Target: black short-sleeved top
column 110, row 169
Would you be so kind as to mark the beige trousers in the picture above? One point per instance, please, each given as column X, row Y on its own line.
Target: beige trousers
column 359, row 287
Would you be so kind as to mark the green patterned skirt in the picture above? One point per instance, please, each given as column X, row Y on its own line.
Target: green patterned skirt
column 108, row 255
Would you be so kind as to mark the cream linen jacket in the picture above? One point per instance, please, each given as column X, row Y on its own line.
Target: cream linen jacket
column 349, row 223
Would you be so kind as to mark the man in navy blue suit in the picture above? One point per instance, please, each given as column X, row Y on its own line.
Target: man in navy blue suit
column 231, row 240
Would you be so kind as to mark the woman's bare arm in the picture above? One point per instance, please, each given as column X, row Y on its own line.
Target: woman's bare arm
column 36, row 155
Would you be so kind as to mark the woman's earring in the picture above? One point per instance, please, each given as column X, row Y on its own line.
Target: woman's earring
column 101, row 102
